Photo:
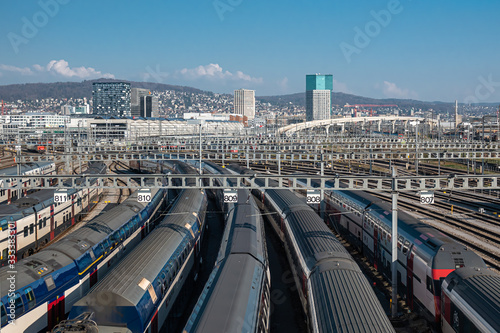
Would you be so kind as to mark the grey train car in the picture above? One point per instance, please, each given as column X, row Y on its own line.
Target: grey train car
column 236, row 298
column 470, row 301
column 334, row 293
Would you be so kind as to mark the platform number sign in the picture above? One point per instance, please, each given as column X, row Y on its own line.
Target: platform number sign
column 144, row 196
column 60, row 196
column 230, row 196
column 313, row 197
column 426, row 197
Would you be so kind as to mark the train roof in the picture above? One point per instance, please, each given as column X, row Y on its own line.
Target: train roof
column 12, row 171
column 477, row 289
column 245, row 234
column 126, row 284
column 100, row 227
column 315, row 241
column 31, row 269
column 345, row 302
column 235, row 288
column 25, row 204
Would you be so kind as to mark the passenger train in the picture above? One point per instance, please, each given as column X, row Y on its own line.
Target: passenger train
column 470, row 301
column 425, row 255
column 334, row 293
column 36, row 219
column 236, row 297
column 140, row 292
column 48, row 283
column 8, row 195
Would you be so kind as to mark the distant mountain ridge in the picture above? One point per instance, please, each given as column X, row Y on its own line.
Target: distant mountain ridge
column 341, row 99
column 33, row 91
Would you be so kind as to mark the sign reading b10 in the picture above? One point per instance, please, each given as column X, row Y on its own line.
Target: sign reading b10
column 426, row 197
column 61, row 196
column 313, row 197
column 230, row 196
column 144, row 195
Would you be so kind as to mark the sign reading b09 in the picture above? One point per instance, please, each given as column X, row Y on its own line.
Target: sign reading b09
column 313, row 197
column 230, row 196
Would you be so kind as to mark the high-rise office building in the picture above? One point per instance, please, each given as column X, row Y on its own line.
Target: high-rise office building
column 149, row 106
column 111, row 98
column 318, row 96
column 244, row 102
column 144, row 103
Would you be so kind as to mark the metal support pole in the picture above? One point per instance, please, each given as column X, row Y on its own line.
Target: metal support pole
column 200, row 150
column 322, row 193
column 394, row 244
column 18, row 165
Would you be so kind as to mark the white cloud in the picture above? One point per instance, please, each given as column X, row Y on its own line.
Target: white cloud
column 58, row 68
column 215, row 72
column 283, row 84
column 391, row 90
column 38, row 67
column 22, row 71
column 61, row 67
column 340, row 87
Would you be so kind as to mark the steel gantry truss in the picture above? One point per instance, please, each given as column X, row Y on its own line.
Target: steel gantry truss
column 360, row 183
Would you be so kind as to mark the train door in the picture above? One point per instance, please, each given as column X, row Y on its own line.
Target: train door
column 375, row 247
column 93, row 277
column 73, row 209
column 154, row 323
column 52, row 222
column 409, row 281
column 55, row 312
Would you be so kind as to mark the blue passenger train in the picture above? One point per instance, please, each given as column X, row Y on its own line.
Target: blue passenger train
column 49, row 282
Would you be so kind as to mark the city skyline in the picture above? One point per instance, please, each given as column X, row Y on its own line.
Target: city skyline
column 381, row 49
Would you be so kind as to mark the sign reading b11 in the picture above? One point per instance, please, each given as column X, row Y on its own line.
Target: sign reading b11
column 426, row 197
column 230, row 196
column 61, row 196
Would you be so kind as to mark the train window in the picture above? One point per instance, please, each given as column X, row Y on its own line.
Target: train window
column 122, row 234
column 4, row 314
column 4, row 254
column 107, row 244
column 30, row 296
column 32, row 228
column 127, row 230
column 429, row 284
column 19, row 304
column 115, row 237
column 26, row 231
column 49, row 282
column 4, row 224
column 44, row 222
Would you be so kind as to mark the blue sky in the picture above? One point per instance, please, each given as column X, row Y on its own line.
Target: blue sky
column 428, row 50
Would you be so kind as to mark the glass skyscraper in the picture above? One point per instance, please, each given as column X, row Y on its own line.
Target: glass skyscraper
column 318, row 96
column 111, row 98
